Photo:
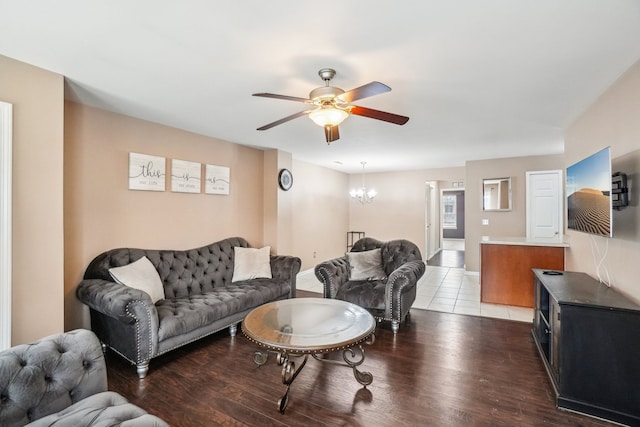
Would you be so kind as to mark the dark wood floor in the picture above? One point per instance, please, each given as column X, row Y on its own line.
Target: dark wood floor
column 447, row 258
column 441, row 369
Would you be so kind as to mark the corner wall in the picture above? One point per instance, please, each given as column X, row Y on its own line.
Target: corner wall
column 38, row 238
column 278, row 209
column 320, row 215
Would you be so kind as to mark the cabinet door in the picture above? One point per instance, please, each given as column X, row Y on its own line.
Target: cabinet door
column 600, row 371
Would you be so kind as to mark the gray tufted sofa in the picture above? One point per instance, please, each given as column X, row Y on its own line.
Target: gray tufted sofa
column 200, row 298
column 61, row 380
column 389, row 298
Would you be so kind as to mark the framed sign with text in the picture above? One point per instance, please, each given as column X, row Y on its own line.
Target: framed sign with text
column 147, row 172
column 185, row 176
column 217, row 179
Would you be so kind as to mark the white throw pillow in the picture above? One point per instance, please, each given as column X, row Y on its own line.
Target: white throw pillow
column 251, row 263
column 366, row 265
column 141, row 275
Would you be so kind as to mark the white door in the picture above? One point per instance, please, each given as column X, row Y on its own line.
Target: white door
column 428, row 219
column 544, row 205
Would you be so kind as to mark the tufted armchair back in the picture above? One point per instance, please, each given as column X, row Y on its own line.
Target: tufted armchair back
column 394, row 252
column 183, row 273
column 49, row 375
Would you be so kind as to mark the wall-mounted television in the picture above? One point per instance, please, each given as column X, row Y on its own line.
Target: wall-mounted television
column 588, row 190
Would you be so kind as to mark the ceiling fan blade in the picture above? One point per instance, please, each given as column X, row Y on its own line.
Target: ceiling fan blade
column 379, row 115
column 370, row 89
column 284, row 120
column 285, row 97
column 331, row 133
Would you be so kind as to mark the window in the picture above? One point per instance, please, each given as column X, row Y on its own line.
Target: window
column 449, row 212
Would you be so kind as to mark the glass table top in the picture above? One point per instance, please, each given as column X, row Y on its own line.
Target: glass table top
column 308, row 325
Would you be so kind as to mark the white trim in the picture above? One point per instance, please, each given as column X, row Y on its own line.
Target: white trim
column 6, row 130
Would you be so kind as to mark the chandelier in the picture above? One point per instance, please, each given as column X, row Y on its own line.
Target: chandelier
column 362, row 194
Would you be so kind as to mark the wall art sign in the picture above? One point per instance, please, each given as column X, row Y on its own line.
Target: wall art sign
column 217, row 179
column 185, row 176
column 147, row 172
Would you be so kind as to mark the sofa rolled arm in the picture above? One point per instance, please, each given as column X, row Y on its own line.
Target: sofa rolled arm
column 399, row 280
column 112, row 299
column 286, row 268
column 411, row 270
column 333, row 274
column 127, row 306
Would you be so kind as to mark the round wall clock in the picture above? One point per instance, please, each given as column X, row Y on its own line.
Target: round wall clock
column 285, row 179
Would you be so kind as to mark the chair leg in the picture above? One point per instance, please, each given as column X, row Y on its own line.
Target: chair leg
column 395, row 325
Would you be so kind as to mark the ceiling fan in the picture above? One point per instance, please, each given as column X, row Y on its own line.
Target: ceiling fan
column 329, row 106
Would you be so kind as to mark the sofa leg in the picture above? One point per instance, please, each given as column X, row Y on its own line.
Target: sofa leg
column 395, row 325
column 142, row 369
column 233, row 329
column 104, row 348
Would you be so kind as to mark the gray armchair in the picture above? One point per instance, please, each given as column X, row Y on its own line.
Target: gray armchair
column 388, row 294
column 61, row 380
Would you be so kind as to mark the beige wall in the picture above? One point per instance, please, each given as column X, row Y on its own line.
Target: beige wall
column 398, row 211
column 613, row 120
column 504, row 223
column 320, row 213
column 278, row 204
column 101, row 213
column 38, row 111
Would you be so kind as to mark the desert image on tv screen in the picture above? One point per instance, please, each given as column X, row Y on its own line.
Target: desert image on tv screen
column 588, row 194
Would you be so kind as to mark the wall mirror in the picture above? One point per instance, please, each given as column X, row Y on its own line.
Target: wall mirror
column 496, row 194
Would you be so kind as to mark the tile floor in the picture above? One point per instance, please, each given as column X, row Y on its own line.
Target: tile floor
column 444, row 289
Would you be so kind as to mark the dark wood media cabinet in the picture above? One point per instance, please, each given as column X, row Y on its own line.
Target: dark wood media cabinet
column 589, row 338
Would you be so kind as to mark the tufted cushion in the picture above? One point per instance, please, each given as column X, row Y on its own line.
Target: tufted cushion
column 368, row 293
column 49, row 375
column 142, row 275
column 102, row 409
column 250, row 263
column 366, row 265
column 182, row 315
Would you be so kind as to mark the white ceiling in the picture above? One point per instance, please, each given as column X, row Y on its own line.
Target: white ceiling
column 479, row 79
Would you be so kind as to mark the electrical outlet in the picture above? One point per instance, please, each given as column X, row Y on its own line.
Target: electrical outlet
column 485, row 222
column 314, row 254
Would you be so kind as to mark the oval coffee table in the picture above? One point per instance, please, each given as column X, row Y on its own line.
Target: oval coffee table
column 300, row 327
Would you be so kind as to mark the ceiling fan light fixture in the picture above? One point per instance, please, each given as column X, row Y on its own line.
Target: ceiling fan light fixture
column 329, row 106
column 328, row 115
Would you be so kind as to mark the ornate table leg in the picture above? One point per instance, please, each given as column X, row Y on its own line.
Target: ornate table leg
column 289, row 374
column 353, row 359
column 352, row 356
